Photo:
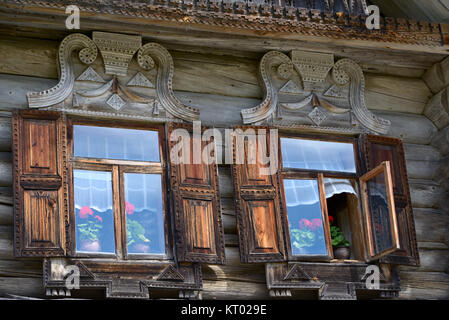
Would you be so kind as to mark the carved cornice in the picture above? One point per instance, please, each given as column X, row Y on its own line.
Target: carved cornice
column 261, row 17
column 113, row 95
column 326, row 103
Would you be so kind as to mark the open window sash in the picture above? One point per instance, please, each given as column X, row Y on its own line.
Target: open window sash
column 379, row 212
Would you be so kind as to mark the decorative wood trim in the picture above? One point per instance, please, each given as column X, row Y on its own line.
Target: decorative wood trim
column 264, row 18
column 312, row 69
column 124, row 280
column 117, row 51
column 334, row 281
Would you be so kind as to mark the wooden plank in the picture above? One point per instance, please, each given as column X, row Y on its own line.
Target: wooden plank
column 5, row 173
column 6, row 215
column 421, row 152
column 396, row 93
column 410, row 128
column 5, row 134
column 23, row 286
column 425, row 193
column 432, row 261
column 424, row 285
column 422, row 169
column 431, row 225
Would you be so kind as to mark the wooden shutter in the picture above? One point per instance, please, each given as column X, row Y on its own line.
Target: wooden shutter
column 40, row 190
column 259, row 223
column 375, row 150
column 198, row 223
column 381, row 228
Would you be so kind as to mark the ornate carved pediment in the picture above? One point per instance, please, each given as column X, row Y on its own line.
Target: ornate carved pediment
column 133, row 80
column 119, row 280
column 309, row 89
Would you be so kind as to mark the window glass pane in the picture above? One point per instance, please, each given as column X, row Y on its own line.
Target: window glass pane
column 116, row 143
column 94, row 216
column 318, row 155
column 379, row 214
column 302, row 198
column 144, row 213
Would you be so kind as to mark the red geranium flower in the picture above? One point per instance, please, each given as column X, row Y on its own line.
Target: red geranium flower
column 85, row 211
column 129, row 208
column 331, row 219
column 316, row 223
column 304, row 223
column 99, row 218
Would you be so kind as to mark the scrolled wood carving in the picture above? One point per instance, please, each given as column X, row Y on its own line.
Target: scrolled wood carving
column 151, row 54
column 324, row 102
column 347, row 71
column 271, row 61
column 87, row 54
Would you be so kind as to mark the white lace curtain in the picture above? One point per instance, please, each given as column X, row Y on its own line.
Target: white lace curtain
column 305, row 192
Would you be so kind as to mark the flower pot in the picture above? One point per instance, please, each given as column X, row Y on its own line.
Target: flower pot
column 90, row 245
column 140, row 248
column 342, row 253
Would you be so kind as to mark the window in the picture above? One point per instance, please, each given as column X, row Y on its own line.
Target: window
column 333, row 199
column 118, row 195
column 315, row 173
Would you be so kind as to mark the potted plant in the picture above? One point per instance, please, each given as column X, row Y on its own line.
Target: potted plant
column 307, row 235
column 341, row 246
column 89, row 230
column 135, row 233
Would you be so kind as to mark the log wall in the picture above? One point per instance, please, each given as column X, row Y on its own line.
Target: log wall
column 226, row 84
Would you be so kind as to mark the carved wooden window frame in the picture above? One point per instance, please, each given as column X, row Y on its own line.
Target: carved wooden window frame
column 118, row 168
column 318, row 175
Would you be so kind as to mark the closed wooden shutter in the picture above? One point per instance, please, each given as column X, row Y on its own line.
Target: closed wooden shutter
column 375, row 150
column 259, row 223
column 194, row 186
column 40, row 188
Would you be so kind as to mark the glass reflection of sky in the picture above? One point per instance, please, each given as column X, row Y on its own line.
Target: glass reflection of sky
column 116, row 143
column 318, row 155
column 305, row 218
column 144, row 213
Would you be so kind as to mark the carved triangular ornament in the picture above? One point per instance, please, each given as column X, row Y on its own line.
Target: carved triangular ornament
column 339, row 92
column 90, row 75
column 291, row 88
column 297, row 273
column 139, row 80
column 170, row 273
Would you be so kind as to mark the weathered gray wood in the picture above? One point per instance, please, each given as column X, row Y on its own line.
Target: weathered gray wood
column 411, row 128
column 24, row 286
column 422, row 169
column 425, row 285
column 6, row 215
column 425, row 193
column 396, row 93
column 431, row 225
column 16, row 88
column 432, row 261
column 5, row 173
column 421, row 152
column 5, row 134
column 441, row 141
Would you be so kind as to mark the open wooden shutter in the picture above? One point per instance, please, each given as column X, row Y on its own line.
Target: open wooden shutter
column 39, row 146
column 381, row 228
column 259, row 222
column 375, row 150
column 198, row 223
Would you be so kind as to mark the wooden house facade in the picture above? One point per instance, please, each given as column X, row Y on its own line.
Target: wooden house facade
column 357, row 120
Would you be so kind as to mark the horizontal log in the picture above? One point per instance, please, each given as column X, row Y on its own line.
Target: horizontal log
column 441, row 141
column 421, row 152
column 432, row 260
column 5, row 134
column 21, row 268
column 425, row 193
column 6, row 215
column 422, row 169
column 5, row 173
column 22, row 286
column 231, row 290
column 424, row 285
column 431, row 225
column 411, row 128
column 396, row 93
